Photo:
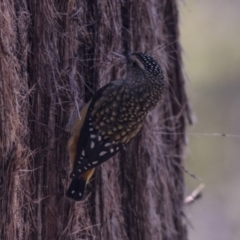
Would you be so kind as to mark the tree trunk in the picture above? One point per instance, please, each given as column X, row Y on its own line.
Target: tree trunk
column 54, row 56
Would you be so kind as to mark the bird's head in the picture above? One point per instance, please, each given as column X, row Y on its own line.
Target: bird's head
column 142, row 65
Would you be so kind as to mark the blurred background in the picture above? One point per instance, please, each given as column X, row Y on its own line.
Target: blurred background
column 210, row 36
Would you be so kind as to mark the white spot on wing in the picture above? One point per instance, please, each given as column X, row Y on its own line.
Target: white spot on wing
column 79, row 170
column 92, row 144
column 95, row 162
column 102, row 153
column 111, row 150
column 73, row 191
column 107, row 144
column 92, row 136
column 99, row 138
column 83, row 152
column 117, row 148
column 80, row 194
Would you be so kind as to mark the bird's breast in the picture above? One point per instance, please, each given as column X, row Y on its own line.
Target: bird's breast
column 119, row 113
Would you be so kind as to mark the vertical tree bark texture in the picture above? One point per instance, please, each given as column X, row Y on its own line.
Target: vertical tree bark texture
column 53, row 56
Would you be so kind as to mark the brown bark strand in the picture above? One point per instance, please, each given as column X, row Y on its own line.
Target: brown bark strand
column 54, row 56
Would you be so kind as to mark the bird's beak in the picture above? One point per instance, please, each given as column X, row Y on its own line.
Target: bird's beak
column 127, row 55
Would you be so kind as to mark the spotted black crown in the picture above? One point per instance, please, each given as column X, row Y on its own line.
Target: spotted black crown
column 149, row 63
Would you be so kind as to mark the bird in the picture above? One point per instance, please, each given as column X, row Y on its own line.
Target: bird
column 113, row 117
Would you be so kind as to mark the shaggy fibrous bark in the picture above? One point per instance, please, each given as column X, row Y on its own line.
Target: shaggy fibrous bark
column 53, row 57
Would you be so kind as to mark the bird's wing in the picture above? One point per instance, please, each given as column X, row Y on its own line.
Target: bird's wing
column 110, row 123
column 77, row 185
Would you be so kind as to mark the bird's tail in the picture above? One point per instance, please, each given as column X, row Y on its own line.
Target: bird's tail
column 77, row 186
column 76, row 189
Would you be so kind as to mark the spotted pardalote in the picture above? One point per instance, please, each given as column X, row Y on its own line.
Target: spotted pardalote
column 113, row 117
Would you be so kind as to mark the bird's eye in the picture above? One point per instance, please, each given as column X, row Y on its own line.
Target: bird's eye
column 135, row 65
